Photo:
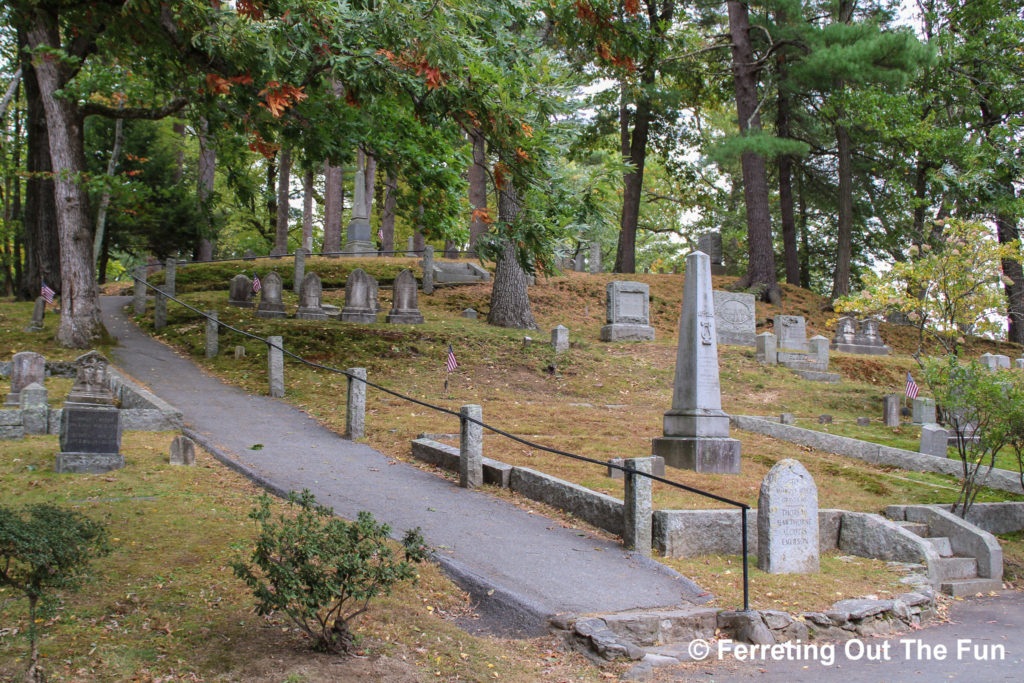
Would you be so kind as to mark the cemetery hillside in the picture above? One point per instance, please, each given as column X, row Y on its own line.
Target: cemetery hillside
column 513, row 340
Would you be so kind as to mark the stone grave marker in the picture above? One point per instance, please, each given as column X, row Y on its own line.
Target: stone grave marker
column 38, row 311
column 891, row 410
column 934, row 441
column 824, row 419
column 595, row 257
column 469, row 313
column 863, row 421
column 310, row 294
column 846, row 331
column 711, row 244
column 696, row 428
column 360, row 306
column 271, row 305
column 560, row 339
column 27, row 367
column 183, row 451
column 240, row 291
column 787, row 418
column 1019, row 363
column 358, row 239
column 35, row 411
column 277, row 252
column 859, row 337
column 249, row 255
column 989, row 361
column 787, row 520
column 628, row 312
column 792, row 338
column 90, row 426
column 818, row 357
column 766, row 349
column 923, row 411
column 239, row 351
column 735, row 318
column 1002, row 362
column 300, row 270
column 410, row 247
column 405, row 308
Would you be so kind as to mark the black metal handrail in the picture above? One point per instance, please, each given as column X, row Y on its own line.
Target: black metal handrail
column 438, row 253
column 623, row 468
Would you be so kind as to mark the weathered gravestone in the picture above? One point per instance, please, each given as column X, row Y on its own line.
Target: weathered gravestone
column 405, row 308
column 766, row 353
column 35, row 411
column 863, row 421
column 818, row 357
column 595, row 257
column 240, row 291
column 711, row 244
column 628, row 312
column 183, row 451
column 1019, row 363
column 310, row 294
column 846, row 332
column 735, row 318
column 271, row 305
column 923, row 411
column 891, row 410
column 560, row 339
column 26, row 367
column 696, row 428
column 1002, row 362
column 410, row 247
column 300, row 270
column 989, row 361
column 865, row 339
column 90, row 426
column 469, row 313
column 277, row 252
column 792, row 338
column 249, row 255
column 38, row 311
column 360, row 306
column 934, row 441
column 787, row 520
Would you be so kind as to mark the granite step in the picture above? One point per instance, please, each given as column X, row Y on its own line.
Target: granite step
column 918, row 528
column 968, row 587
column 941, row 545
column 947, row 568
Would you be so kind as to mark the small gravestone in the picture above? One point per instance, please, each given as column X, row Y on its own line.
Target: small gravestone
column 861, row 337
column 239, row 351
column 469, row 313
column 891, row 410
column 787, row 418
column 818, row 358
column 711, row 244
column 240, row 291
column 560, row 339
column 824, row 419
column 90, row 426
column 310, row 294
column 360, row 306
column 38, row 311
column 628, row 312
column 765, row 345
column 989, row 361
column 846, row 332
column 863, row 421
column 27, row 367
column 579, row 263
column 405, row 308
column 696, row 428
column 249, row 255
column 300, row 270
column 1019, row 363
column 787, row 520
column 527, row 341
column 735, row 318
column 35, row 411
column 410, row 247
column 792, row 338
column 277, row 252
column 923, row 411
column 271, row 305
column 1002, row 362
column 934, row 441
column 183, row 451
column 595, row 257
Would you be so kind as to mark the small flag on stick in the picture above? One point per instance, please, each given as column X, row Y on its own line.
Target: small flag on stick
column 911, row 387
column 256, row 284
column 47, row 293
column 380, row 235
column 451, row 363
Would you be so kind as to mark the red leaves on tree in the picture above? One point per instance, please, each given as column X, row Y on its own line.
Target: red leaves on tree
column 527, row 129
column 521, row 154
column 500, row 170
column 244, row 79
column 410, row 61
column 280, row 96
column 483, row 215
column 258, row 144
column 632, row 6
column 249, row 9
column 217, row 85
column 604, row 51
column 350, row 99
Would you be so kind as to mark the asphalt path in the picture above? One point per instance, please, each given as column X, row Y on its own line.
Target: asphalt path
column 520, row 567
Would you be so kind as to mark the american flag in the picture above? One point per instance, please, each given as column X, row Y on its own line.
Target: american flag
column 452, row 363
column 47, row 293
column 911, row 387
column 256, row 284
column 380, row 234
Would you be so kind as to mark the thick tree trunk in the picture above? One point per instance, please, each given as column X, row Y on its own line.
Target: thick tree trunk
column 204, row 189
column 333, row 198
column 761, row 256
column 307, row 210
column 42, row 243
column 79, row 302
column 805, row 242
column 844, row 238
column 284, row 179
column 477, row 186
column 387, row 214
column 1008, row 233
column 791, row 256
column 633, row 183
column 510, row 300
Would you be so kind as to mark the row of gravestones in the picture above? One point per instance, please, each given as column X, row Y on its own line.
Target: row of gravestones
column 361, row 298
column 995, row 362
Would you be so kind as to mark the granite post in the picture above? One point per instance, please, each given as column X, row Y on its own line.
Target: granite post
column 696, row 428
column 275, row 365
column 787, row 520
column 891, row 410
column 638, row 508
column 595, row 257
column 766, row 349
column 428, row 269
column 355, row 404
column 300, row 269
column 139, row 299
column 183, row 451
column 560, row 339
column 160, row 311
column 410, row 247
column 212, row 328
column 471, row 447
column 170, row 270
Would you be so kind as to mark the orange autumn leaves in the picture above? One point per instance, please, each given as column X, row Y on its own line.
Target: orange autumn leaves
column 432, row 75
column 277, row 97
column 586, row 13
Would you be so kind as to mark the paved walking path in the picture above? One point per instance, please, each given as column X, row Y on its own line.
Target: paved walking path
column 520, row 567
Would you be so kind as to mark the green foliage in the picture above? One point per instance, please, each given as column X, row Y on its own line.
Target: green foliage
column 45, row 548
column 981, row 407
column 322, row 571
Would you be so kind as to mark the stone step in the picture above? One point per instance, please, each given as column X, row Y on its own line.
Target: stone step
column 941, row 545
column 662, row 627
column 969, row 587
column 947, row 568
column 918, row 528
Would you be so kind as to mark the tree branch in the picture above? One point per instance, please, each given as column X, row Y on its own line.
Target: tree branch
column 152, row 113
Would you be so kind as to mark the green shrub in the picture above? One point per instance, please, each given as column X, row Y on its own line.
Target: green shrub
column 322, row 571
column 43, row 548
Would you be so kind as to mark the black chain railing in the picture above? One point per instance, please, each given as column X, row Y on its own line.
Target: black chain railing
column 526, row 442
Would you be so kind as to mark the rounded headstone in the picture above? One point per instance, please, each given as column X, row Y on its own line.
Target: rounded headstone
column 787, row 520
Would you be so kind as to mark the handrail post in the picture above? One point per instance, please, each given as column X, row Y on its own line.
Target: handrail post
column 212, row 327
column 275, row 366
column 471, row 447
column 355, row 405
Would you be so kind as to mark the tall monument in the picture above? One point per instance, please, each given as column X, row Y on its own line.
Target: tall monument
column 357, row 239
column 697, row 429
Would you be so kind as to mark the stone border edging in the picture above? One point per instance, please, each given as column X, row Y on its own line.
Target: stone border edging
column 1003, row 480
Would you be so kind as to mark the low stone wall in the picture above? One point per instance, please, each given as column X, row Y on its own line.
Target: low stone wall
column 1004, row 480
column 592, row 507
column 447, row 458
